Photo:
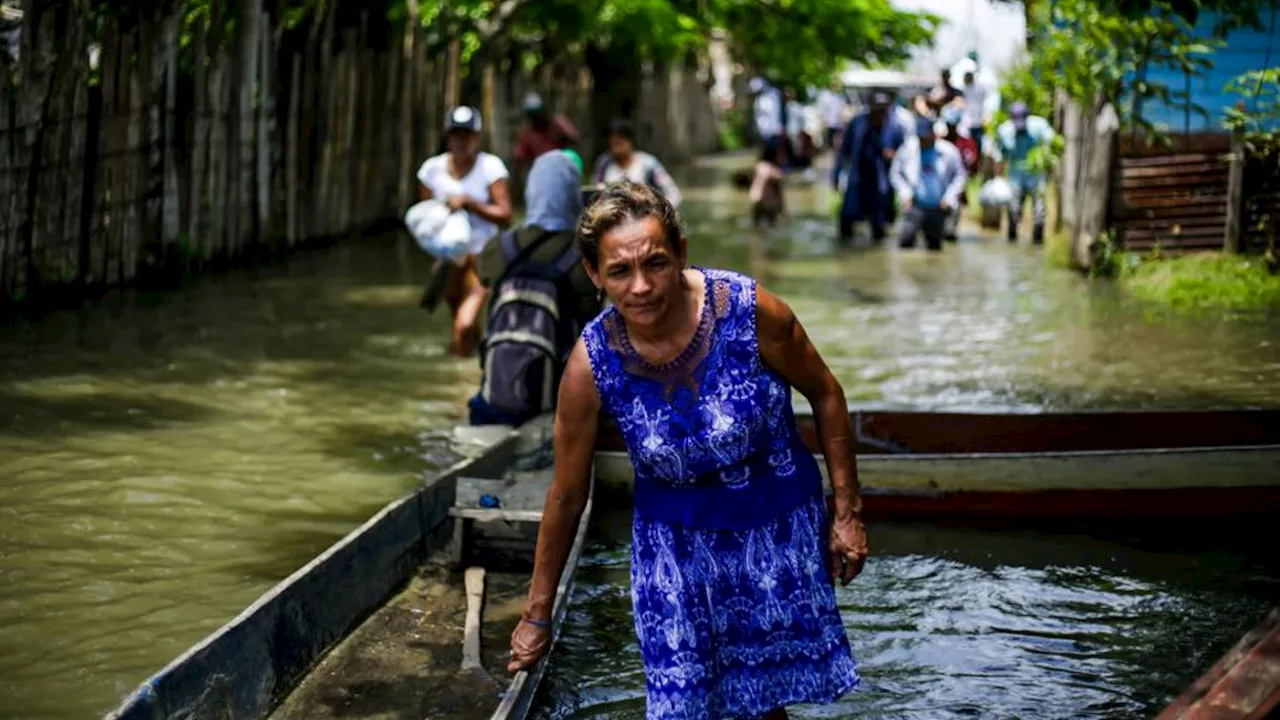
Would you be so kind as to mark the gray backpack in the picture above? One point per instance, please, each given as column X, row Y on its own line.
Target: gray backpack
column 531, row 329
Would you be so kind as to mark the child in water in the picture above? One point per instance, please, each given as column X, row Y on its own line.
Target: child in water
column 766, row 187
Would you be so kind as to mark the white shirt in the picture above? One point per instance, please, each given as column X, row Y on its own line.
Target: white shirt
column 975, row 104
column 434, row 175
column 768, row 111
column 832, row 104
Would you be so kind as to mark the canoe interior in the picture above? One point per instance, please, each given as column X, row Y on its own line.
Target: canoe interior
column 404, row 660
column 247, row 668
column 894, row 432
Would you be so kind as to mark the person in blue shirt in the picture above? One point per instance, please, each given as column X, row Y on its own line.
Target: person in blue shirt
column 867, row 148
column 928, row 176
column 1015, row 139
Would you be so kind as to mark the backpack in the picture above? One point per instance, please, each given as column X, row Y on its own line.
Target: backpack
column 531, row 329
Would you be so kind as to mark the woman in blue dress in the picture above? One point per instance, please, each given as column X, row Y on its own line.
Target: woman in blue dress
column 733, row 554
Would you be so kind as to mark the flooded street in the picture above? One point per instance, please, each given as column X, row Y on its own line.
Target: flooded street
column 962, row 623
column 164, row 458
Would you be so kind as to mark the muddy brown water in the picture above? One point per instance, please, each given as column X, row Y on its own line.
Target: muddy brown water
column 166, row 457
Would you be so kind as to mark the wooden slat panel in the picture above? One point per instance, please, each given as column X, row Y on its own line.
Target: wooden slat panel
column 1180, row 169
column 1173, row 212
column 1139, row 201
column 1167, row 160
column 1184, row 223
column 1170, row 236
column 1199, row 180
column 1169, row 248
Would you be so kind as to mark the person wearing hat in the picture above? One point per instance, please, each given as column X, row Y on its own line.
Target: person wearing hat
column 1016, row 138
column 867, row 147
column 541, row 133
column 466, row 179
column 928, row 176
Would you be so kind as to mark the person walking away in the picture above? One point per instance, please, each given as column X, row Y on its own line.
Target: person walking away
column 624, row 162
column 975, row 110
column 733, row 554
column 467, row 179
column 540, row 298
column 767, row 202
column 866, row 150
column 540, row 133
column 1016, row 138
column 928, row 176
column 833, row 105
column 767, row 110
column 951, row 119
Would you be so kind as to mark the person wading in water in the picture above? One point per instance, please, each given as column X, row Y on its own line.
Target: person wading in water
column 466, row 179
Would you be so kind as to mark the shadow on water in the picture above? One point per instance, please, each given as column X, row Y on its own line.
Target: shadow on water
column 34, row 416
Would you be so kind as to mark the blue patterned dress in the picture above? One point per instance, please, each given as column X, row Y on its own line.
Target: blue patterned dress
column 733, row 608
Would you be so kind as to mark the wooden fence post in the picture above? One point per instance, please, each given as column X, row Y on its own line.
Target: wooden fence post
column 1235, row 195
column 1096, row 199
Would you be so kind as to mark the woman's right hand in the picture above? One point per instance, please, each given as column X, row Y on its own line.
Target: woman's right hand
column 529, row 643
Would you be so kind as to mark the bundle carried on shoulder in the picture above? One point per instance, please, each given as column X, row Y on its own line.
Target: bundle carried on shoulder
column 442, row 232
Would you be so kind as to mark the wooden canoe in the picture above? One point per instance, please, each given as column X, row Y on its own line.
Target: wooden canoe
column 1026, row 466
column 375, row 624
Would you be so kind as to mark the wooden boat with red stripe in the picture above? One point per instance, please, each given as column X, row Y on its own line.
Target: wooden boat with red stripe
column 1023, row 466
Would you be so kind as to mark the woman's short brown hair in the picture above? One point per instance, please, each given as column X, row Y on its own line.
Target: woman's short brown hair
column 623, row 202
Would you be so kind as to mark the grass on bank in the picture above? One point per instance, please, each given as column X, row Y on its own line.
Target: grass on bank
column 1202, row 282
column 1193, row 282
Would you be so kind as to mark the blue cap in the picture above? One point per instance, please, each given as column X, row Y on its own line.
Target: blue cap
column 1018, row 114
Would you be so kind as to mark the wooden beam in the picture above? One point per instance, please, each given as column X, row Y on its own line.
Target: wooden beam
column 1235, row 195
column 474, row 580
column 495, row 514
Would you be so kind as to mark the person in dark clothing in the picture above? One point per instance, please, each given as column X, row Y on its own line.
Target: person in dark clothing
column 554, row 201
column 867, row 148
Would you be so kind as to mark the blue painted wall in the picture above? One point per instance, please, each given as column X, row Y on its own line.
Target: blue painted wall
column 1244, row 50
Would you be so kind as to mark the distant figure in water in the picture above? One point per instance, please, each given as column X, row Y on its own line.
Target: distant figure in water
column 624, row 162
column 467, row 179
column 767, row 202
column 867, row 149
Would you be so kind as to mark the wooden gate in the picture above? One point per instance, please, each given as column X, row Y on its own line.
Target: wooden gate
column 1176, row 202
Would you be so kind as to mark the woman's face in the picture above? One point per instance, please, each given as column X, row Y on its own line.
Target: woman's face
column 639, row 271
column 462, row 144
column 620, row 147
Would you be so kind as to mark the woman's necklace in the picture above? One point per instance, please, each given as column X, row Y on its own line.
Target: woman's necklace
column 678, row 370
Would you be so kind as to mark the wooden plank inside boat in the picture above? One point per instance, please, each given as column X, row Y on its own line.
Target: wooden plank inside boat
column 423, row 654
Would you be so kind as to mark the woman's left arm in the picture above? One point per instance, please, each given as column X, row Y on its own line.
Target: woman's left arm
column 498, row 209
column 785, row 347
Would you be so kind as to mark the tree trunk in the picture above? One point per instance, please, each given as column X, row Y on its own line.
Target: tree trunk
column 406, row 195
column 1096, row 199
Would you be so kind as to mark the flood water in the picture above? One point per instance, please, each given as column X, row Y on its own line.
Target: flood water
column 966, row 623
column 165, row 458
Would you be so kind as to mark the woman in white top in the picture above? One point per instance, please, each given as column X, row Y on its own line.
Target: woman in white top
column 624, row 162
column 467, row 179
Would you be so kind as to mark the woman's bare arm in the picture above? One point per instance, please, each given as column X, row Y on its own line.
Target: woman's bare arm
column 786, row 348
column 577, row 414
column 498, row 209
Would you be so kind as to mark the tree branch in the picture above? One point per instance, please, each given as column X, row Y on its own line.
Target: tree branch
column 499, row 20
